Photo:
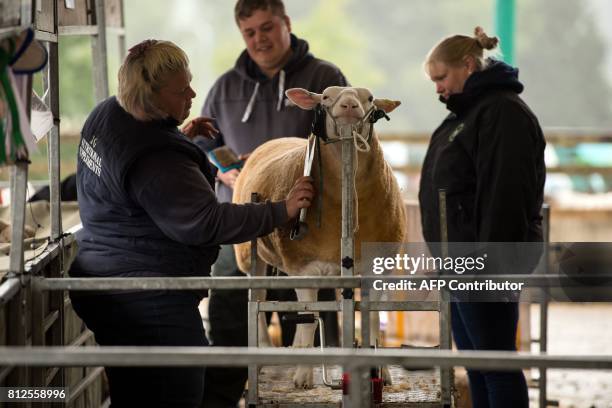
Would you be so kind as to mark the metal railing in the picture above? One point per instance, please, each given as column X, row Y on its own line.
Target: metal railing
column 554, row 136
column 356, row 362
column 300, row 282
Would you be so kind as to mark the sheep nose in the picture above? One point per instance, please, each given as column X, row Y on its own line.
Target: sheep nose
column 349, row 106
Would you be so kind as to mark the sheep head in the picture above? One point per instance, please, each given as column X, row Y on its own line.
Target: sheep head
column 344, row 105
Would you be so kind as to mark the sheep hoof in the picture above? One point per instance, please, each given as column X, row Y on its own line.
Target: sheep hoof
column 303, row 377
column 386, row 376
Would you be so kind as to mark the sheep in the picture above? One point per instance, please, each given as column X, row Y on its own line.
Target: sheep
column 379, row 210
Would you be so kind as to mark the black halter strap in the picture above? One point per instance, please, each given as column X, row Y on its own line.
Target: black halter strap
column 319, row 126
column 318, row 123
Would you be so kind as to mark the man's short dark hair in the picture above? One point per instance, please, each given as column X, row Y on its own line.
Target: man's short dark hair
column 246, row 8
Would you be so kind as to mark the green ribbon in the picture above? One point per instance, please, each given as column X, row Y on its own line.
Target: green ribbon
column 16, row 135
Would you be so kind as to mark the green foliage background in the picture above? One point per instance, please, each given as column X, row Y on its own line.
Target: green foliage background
column 379, row 44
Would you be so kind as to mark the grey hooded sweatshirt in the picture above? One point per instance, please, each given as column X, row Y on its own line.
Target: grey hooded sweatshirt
column 251, row 109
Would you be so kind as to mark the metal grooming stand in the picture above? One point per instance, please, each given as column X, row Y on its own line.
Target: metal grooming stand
column 542, row 340
column 253, row 325
column 346, row 305
column 442, row 307
column 347, row 263
column 359, row 395
column 446, row 374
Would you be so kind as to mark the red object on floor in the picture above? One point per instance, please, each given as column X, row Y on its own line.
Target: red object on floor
column 377, row 390
column 345, row 383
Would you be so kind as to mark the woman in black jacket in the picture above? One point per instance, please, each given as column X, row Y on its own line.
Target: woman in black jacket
column 488, row 154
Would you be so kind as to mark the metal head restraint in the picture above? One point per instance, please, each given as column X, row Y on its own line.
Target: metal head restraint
column 319, row 126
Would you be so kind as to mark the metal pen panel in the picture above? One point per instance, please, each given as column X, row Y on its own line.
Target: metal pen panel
column 446, row 374
column 543, row 335
column 51, row 83
column 19, row 181
column 100, row 51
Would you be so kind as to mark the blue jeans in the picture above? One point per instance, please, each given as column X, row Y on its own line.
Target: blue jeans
column 159, row 318
column 490, row 326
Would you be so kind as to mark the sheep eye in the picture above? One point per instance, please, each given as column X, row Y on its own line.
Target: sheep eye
column 325, row 97
column 371, row 98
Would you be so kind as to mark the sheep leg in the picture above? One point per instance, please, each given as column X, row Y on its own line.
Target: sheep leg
column 260, row 295
column 304, row 337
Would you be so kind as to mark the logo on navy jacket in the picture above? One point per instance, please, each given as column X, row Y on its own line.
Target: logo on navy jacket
column 89, row 156
column 457, row 130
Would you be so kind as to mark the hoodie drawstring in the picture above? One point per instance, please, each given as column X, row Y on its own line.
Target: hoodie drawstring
column 249, row 108
column 279, row 104
column 281, row 90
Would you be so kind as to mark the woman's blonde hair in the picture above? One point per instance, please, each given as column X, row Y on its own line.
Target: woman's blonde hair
column 145, row 70
column 452, row 50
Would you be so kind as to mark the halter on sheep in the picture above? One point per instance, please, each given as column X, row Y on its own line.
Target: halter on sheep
column 319, row 135
column 272, row 168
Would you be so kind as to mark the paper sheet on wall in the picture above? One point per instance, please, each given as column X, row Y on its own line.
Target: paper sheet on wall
column 41, row 118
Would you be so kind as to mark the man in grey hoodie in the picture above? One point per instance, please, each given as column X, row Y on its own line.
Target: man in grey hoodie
column 250, row 108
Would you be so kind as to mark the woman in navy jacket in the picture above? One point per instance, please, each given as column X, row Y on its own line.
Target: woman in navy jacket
column 488, row 154
column 149, row 209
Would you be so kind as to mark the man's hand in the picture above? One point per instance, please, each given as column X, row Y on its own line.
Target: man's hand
column 300, row 196
column 229, row 177
column 201, row 126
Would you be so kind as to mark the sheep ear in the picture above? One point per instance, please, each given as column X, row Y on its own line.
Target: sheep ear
column 304, row 99
column 386, row 104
